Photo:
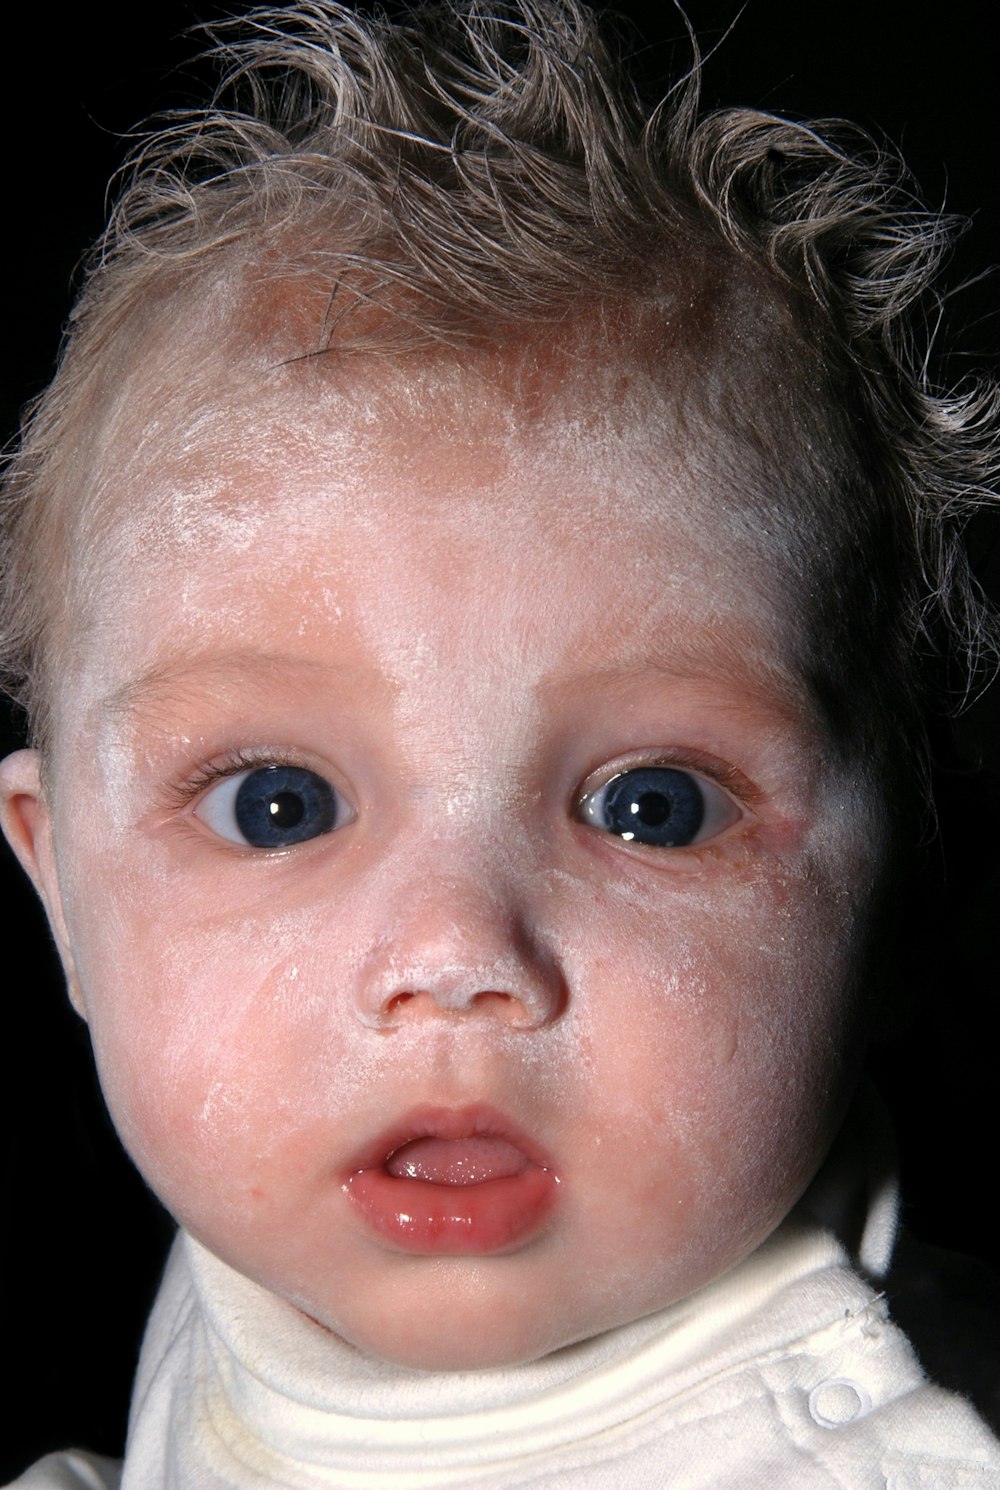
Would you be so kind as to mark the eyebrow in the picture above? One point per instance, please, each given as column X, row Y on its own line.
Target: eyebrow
column 699, row 656
column 167, row 679
column 705, row 656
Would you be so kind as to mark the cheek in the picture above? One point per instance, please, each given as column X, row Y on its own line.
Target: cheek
column 721, row 1018
column 724, row 968
column 217, row 1032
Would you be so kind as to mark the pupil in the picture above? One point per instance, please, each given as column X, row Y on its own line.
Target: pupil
column 285, row 809
column 652, row 809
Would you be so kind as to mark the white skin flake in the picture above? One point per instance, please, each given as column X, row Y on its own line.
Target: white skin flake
column 466, row 620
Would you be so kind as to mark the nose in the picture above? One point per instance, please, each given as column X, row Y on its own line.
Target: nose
column 458, row 951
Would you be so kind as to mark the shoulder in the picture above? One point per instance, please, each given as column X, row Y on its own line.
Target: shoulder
column 854, row 1399
column 827, row 1388
column 70, row 1471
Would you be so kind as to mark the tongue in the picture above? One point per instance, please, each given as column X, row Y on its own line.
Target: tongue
column 456, row 1161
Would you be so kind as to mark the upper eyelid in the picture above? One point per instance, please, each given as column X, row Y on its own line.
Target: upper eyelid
column 205, row 776
column 699, row 763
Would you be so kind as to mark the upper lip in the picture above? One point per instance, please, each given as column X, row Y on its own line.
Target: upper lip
column 477, row 1120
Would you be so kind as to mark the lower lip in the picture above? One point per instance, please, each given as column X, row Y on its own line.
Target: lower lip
column 433, row 1219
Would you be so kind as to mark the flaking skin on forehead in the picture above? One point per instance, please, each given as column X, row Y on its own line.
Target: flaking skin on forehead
column 708, row 348
column 712, row 360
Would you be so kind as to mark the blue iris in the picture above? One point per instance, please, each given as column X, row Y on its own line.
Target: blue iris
column 652, row 804
column 277, row 806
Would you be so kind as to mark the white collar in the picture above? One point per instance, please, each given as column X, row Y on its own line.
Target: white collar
column 223, row 1351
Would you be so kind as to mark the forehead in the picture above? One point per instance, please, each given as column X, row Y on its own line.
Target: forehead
column 234, row 491
column 488, row 452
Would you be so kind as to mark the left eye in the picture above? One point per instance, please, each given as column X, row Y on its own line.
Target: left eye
column 273, row 807
column 660, row 806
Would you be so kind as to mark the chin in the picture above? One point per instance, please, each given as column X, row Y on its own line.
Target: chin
column 452, row 1349
column 456, row 1354
column 463, row 1341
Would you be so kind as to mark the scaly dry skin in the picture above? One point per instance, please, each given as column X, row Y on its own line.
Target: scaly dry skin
column 463, row 615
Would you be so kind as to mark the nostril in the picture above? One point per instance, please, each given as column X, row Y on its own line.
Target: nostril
column 487, row 1002
column 505, row 1008
column 492, row 1002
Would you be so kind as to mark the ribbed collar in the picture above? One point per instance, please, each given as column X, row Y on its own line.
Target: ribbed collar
column 274, row 1387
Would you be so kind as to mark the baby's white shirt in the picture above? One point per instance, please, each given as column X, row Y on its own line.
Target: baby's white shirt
column 785, row 1372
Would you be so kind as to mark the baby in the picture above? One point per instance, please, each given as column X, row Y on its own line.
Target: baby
column 476, row 580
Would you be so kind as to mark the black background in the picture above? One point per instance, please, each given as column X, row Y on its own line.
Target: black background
column 81, row 1237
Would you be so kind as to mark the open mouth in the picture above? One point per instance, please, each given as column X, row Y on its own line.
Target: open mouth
column 453, row 1181
column 456, row 1161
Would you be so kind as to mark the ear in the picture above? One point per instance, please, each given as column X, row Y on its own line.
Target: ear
column 27, row 825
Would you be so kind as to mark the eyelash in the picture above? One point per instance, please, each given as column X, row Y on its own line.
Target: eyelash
column 183, row 793
column 696, row 762
column 705, row 769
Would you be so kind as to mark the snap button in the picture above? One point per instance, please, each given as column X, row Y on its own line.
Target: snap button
column 835, row 1403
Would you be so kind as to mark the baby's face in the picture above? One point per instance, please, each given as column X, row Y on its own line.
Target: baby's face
column 463, row 893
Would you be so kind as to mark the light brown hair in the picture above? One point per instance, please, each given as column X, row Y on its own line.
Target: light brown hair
column 471, row 169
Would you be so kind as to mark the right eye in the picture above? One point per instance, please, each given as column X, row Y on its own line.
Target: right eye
column 273, row 807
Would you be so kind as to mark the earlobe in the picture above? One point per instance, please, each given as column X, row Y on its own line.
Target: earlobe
column 27, row 826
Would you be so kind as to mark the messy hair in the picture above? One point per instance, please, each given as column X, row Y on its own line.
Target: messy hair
column 471, row 169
